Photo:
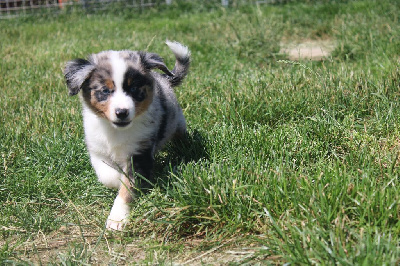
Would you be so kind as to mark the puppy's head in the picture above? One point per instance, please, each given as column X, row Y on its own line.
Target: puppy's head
column 116, row 85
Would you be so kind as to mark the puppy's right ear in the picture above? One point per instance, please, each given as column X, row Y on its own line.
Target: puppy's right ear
column 76, row 72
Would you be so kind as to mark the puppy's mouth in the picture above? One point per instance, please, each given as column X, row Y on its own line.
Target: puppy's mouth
column 121, row 123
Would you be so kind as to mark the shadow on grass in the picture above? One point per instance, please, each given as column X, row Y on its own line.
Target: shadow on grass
column 190, row 148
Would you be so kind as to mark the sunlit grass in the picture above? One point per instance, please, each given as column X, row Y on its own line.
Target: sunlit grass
column 296, row 160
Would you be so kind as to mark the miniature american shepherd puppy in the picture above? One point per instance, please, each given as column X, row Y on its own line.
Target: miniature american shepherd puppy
column 129, row 112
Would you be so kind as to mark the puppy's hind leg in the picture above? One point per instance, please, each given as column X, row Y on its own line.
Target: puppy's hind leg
column 181, row 129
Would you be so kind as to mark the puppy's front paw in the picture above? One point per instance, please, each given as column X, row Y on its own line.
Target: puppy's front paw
column 119, row 215
column 115, row 225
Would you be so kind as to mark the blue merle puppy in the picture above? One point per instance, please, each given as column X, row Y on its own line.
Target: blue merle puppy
column 129, row 113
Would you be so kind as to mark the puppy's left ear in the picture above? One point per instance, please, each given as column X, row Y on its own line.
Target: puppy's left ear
column 151, row 61
column 76, row 72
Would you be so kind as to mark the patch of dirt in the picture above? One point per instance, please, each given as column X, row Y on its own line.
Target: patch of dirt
column 88, row 243
column 81, row 244
column 91, row 245
column 308, row 49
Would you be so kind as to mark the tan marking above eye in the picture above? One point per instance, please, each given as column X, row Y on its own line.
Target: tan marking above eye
column 129, row 81
column 109, row 83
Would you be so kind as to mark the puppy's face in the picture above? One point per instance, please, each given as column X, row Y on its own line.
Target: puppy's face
column 117, row 86
column 118, row 89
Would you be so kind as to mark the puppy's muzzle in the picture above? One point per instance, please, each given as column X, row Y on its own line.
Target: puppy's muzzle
column 122, row 114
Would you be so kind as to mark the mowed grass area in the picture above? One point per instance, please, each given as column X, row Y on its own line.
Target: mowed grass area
column 286, row 161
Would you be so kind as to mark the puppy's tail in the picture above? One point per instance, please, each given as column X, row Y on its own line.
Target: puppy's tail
column 182, row 63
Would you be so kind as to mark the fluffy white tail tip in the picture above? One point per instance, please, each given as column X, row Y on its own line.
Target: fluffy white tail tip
column 178, row 49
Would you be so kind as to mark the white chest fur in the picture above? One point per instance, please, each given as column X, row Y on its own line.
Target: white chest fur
column 114, row 144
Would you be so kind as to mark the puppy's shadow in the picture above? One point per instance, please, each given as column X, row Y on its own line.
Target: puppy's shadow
column 189, row 148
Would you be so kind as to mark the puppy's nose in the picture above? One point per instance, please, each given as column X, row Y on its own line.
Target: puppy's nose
column 121, row 113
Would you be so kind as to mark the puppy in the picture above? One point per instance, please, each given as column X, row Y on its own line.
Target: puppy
column 129, row 112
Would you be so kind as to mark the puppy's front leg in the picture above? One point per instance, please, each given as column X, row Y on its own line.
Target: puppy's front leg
column 120, row 210
column 142, row 164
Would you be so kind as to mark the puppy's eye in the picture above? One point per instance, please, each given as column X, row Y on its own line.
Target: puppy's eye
column 133, row 90
column 137, row 93
column 105, row 90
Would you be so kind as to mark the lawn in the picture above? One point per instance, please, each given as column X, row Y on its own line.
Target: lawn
column 288, row 160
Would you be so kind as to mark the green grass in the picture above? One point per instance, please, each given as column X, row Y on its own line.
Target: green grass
column 286, row 162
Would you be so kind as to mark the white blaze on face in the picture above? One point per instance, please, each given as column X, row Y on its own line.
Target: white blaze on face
column 119, row 99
